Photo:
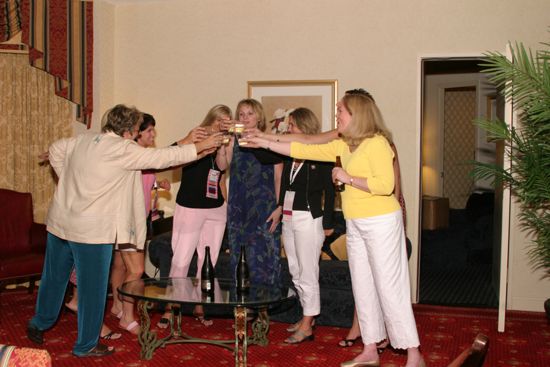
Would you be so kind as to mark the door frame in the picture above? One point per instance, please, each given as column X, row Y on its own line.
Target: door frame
column 506, row 200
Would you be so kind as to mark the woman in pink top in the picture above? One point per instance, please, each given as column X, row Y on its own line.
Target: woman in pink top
column 129, row 262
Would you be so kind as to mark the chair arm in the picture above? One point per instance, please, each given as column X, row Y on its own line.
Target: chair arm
column 38, row 237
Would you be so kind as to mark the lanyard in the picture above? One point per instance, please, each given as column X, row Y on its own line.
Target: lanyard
column 294, row 171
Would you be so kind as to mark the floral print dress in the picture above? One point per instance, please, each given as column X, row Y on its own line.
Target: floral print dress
column 251, row 201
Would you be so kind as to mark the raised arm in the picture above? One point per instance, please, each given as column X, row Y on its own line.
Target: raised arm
column 320, row 138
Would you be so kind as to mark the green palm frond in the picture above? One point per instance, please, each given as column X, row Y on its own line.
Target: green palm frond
column 526, row 83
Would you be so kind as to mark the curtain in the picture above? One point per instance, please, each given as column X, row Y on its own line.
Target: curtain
column 59, row 34
column 31, row 118
column 10, row 19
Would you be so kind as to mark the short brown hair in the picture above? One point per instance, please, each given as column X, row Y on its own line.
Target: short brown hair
column 120, row 119
column 306, row 120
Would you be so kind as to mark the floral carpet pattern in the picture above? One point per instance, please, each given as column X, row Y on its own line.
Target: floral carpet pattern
column 444, row 333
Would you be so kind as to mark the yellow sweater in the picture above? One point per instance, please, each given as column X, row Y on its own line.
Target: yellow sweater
column 373, row 160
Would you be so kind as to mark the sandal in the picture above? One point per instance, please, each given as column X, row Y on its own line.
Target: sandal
column 163, row 323
column 299, row 337
column 202, row 319
column 100, row 350
column 347, row 343
column 294, row 327
column 131, row 327
column 111, row 335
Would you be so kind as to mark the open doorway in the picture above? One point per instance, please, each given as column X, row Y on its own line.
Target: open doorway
column 460, row 243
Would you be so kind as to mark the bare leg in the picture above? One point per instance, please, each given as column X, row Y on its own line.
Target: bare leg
column 303, row 332
column 414, row 358
column 134, row 262
column 106, row 332
column 73, row 303
column 198, row 312
column 118, row 273
column 355, row 331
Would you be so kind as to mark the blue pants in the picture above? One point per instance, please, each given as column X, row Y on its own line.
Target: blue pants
column 92, row 262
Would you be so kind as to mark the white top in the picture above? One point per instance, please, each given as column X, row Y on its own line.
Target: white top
column 99, row 196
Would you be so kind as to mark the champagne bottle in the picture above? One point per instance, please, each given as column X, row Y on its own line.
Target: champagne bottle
column 242, row 275
column 338, row 185
column 207, row 272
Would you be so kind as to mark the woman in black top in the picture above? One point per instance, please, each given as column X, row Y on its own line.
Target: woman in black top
column 201, row 212
column 304, row 185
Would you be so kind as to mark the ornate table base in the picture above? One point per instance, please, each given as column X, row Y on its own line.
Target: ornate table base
column 150, row 342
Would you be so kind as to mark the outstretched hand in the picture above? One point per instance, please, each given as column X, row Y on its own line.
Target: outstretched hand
column 196, row 135
column 253, row 141
column 210, row 144
column 45, row 156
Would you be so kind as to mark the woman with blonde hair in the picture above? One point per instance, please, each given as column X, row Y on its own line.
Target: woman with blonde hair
column 307, row 218
column 252, row 212
column 375, row 236
column 201, row 212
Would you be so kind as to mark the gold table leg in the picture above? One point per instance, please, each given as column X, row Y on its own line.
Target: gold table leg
column 146, row 338
column 260, row 328
column 150, row 342
column 241, row 342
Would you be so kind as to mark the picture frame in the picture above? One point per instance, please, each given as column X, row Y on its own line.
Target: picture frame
column 281, row 96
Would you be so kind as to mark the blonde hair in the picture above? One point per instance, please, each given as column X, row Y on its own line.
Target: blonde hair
column 215, row 113
column 366, row 120
column 258, row 109
column 306, row 120
column 121, row 119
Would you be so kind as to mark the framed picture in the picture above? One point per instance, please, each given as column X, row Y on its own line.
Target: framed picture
column 280, row 97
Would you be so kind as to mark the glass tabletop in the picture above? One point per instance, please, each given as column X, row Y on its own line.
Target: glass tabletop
column 188, row 291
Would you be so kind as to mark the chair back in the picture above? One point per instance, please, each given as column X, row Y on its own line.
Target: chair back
column 473, row 356
column 15, row 222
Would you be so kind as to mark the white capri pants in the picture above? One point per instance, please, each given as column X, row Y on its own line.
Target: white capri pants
column 380, row 279
column 196, row 229
column 303, row 239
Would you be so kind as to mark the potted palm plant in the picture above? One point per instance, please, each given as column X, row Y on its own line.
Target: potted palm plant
column 524, row 80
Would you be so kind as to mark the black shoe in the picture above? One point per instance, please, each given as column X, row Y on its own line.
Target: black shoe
column 100, row 350
column 34, row 334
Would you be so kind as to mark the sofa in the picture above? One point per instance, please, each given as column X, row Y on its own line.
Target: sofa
column 334, row 280
column 22, row 241
column 24, row 357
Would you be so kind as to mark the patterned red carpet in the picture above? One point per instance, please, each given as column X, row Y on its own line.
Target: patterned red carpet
column 444, row 333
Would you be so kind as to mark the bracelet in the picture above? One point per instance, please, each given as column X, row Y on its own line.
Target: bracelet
column 351, row 181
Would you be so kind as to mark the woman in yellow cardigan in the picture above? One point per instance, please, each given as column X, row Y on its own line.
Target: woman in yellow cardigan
column 375, row 235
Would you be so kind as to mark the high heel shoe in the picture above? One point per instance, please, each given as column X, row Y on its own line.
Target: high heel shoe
column 360, row 364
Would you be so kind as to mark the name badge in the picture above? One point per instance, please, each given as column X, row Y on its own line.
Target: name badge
column 287, row 206
column 212, row 184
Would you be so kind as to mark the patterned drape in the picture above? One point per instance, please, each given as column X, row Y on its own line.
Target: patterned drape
column 59, row 34
column 10, row 19
column 32, row 118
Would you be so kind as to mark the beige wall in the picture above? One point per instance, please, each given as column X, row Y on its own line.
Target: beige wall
column 175, row 59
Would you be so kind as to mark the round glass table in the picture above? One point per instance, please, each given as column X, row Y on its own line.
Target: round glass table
column 224, row 296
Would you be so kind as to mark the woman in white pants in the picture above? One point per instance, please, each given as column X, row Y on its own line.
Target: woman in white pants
column 375, row 236
column 305, row 223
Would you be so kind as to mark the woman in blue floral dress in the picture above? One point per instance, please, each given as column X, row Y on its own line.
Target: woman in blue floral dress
column 252, row 214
